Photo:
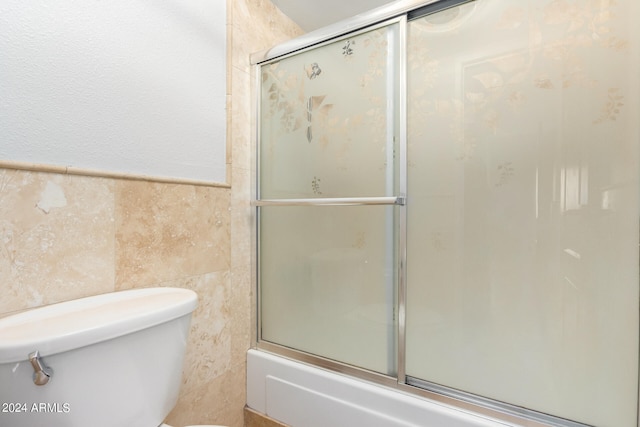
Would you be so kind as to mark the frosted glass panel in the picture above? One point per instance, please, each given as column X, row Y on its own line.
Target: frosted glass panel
column 327, row 119
column 327, row 282
column 523, row 205
column 328, row 129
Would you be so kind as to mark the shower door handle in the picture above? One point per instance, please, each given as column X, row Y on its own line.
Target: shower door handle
column 336, row 201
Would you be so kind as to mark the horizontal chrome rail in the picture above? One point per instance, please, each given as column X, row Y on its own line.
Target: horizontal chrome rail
column 328, row 364
column 334, row 201
column 486, row 406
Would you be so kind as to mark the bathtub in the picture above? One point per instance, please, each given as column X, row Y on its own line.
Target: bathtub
column 302, row 395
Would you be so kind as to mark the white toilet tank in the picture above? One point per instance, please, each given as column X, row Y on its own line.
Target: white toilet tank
column 112, row 360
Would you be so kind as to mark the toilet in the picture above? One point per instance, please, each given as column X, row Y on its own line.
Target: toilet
column 111, row 360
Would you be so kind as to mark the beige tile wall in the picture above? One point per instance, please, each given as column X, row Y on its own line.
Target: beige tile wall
column 57, row 238
column 65, row 236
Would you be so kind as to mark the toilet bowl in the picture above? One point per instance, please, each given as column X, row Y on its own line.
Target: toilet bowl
column 110, row 360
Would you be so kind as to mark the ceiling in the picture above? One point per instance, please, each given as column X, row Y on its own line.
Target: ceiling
column 313, row 14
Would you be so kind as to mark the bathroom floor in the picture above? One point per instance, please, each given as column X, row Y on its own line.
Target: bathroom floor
column 256, row 419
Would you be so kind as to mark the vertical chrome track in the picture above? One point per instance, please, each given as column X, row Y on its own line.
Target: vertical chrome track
column 402, row 210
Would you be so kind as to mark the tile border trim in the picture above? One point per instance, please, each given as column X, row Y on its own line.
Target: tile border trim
column 70, row 170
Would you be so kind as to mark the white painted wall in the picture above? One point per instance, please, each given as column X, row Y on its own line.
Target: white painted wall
column 127, row 86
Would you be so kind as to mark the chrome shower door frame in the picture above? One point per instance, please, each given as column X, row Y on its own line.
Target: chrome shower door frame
column 397, row 12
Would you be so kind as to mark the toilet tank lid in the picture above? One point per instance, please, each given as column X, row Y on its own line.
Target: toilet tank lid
column 73, row 324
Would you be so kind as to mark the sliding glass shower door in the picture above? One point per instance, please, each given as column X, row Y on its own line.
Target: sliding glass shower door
column 451, row 199
column 522, row 281
column 327, row 196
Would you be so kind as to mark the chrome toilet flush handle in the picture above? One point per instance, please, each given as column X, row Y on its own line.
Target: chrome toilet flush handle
column 42, row 373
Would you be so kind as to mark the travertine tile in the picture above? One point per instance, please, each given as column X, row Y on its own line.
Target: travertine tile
column 212, row 329
column 56, row 238
column 240, row 118
column 168, row 231
column 242, row 219
column 240, row 299
column 229, row 134
column 268, row 27
column 217, row 402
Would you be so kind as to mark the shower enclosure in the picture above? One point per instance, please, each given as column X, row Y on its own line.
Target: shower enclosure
column 447, row 203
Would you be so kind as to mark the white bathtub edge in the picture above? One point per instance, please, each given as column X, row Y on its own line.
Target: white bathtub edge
column 305, row 396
